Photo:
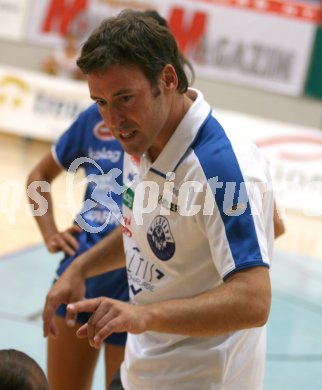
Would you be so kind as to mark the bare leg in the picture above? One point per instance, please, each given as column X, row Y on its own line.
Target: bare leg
column 71, row 361
column 114, row 356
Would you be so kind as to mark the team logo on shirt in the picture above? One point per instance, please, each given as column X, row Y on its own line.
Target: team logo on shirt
column 160, row 238
column 128, row 197
column 102, row 132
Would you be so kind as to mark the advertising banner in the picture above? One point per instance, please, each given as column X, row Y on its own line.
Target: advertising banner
column 244, row 45
column 264, row 44
column 36, row 105
column 50, row 20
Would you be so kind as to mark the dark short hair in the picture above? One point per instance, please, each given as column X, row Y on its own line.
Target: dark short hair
column 132, row 39
column 18, row 371
column 151, row 13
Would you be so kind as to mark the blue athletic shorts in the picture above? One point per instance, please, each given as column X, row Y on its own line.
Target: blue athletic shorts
column 111, row 284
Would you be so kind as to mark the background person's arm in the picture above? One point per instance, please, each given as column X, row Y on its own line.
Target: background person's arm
column 46, row 171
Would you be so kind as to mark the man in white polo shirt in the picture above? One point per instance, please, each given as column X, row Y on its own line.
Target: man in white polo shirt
column 197, row 224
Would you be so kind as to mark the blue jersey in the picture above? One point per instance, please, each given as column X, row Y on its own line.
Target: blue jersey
column 88, row 144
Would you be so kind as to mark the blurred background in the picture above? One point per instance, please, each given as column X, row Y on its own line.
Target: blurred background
column 258, row 63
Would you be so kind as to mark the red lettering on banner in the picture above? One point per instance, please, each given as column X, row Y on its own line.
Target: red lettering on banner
column 61, row 13
column 187, row 36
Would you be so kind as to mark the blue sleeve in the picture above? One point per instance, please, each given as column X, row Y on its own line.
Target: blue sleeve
column 72, row 143
column 229, row 171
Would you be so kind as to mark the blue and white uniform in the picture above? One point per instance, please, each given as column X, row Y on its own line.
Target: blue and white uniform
column 199, row 224
column 88, row 144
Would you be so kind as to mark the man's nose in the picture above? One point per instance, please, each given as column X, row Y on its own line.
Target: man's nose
column 113, row 116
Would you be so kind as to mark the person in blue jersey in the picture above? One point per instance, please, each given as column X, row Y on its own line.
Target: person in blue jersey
column 197, row 226
column 89, row 145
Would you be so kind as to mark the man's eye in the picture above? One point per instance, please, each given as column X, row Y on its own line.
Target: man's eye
column 100, row 102
column 125, row 99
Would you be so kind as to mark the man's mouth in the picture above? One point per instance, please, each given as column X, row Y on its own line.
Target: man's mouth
column 126, row 134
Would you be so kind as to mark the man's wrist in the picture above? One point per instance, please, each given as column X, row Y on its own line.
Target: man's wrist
column 80, row 267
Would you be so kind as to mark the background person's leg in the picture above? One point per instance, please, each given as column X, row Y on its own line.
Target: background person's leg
column 71, row 361
column 114, row 356
column 116, row 383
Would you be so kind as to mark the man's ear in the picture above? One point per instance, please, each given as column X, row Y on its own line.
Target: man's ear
column 169, row 77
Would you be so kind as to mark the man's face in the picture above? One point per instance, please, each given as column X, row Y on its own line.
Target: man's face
column 138, row 115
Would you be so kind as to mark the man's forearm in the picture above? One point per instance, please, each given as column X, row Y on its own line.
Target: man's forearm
column 107, row 255
column 235, row 305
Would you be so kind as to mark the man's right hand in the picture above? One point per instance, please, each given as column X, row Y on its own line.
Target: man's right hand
column 70, row 287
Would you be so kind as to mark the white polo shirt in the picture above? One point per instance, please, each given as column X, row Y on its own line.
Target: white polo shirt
column 194, row 217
